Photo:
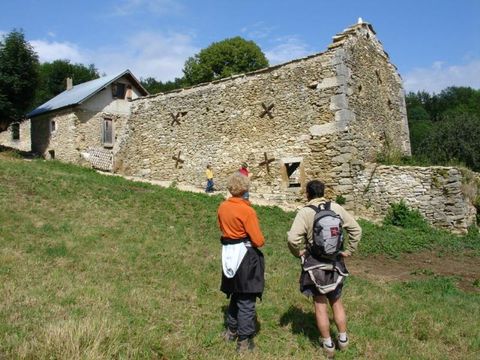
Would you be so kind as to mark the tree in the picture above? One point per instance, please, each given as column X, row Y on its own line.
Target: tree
column 154, row 86
column 223, row 59
column 456, row 138
column 18, row 78
column 445, row 127
column 53, row 75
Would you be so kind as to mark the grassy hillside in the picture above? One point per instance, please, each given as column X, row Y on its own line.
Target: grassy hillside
column 98, row 267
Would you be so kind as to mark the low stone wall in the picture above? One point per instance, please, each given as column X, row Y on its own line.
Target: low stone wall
column 443, row 195
column 23, row 142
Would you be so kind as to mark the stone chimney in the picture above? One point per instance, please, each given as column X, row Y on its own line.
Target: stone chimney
column 69, row 83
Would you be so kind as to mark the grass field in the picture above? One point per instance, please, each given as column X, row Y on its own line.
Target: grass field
column 98, row 267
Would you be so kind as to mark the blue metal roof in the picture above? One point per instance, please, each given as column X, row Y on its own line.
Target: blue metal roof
column 81, row 92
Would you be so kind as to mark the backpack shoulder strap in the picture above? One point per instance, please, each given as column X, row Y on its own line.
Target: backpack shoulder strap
column 327, row 205
column 313, row 207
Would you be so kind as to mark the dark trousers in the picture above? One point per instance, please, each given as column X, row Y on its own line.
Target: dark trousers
column 210, row 185
column 241, row 315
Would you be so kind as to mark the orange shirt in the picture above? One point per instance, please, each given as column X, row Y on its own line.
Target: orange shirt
column 237, row 219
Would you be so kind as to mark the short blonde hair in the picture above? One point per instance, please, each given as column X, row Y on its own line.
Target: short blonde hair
column 238, row 184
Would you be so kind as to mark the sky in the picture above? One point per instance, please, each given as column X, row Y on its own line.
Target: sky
column 433, row 43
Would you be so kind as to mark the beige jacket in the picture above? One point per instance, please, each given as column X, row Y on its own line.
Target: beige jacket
column 302, row 228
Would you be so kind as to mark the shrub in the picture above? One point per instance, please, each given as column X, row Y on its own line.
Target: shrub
column 399, row 214
column 340, row 200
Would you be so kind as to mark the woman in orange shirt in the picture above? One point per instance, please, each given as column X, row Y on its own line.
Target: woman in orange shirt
column 242, row 262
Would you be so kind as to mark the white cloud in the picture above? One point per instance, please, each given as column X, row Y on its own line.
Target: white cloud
column 158, row 7
column 288, row 48
column 146, row 54
column 49, row 51
column 439, row 76
column 257, row 31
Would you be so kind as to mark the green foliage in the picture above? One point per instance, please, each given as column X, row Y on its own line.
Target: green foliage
column 399, row 214
column 18, row 77
column 222, row 59
column 53, row 78
column 219, row 60
column 154, row 86
column 394, row 241
column 445, row 128
column 456, row 138
column 339, row 199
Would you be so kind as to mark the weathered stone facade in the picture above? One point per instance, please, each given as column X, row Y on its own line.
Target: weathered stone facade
column 325, row 113
column 77, row 134
column 443, row 195
column 17, row 136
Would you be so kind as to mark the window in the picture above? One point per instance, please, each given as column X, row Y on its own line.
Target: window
column 15, row 131
column 293, row 173
column 53, row 126
column 107, row 132
column 118, row 90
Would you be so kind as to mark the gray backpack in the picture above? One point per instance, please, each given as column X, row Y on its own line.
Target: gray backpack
column 327, row 232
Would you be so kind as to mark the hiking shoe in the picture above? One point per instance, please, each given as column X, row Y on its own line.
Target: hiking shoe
column 329, row 352
column 342, row 345
column 245, row 345
column 229, row 335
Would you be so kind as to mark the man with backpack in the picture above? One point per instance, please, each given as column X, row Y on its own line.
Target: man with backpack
column 316, row 236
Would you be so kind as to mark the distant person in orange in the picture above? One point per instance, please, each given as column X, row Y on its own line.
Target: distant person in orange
column 243, row 264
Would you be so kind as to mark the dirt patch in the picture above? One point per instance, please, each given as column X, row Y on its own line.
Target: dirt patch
column 464, row 267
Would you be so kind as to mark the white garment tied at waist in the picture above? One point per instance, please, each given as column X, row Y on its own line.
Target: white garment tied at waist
column 232, row 256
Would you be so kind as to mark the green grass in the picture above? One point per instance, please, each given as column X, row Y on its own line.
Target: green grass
column 98, row 267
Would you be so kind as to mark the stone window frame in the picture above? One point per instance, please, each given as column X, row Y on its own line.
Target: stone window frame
column 53, row 126
column 16, row 131
column 286, row 181
column 108, row 132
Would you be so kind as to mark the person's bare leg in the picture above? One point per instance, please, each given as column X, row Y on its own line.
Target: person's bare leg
column 341, row 321
column 323, row 324
column 339, row 315
column 321, row 315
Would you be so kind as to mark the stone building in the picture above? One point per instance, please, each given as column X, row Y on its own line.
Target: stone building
column 17, row 136
column 82, row 124
column 326, row 116
column 320, row 116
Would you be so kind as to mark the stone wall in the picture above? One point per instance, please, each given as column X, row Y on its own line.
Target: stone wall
column 316, row 112
column 55, row 136
column 225, row 123
column 443, row 195
column 76, row 136
column 24, row 141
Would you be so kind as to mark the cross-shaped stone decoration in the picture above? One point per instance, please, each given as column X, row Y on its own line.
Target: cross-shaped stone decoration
column 267, row 110
column 175, row 118
column 178, row 159
column 266, row 162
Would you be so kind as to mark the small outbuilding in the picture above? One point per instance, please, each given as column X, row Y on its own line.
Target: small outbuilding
column 83, row 123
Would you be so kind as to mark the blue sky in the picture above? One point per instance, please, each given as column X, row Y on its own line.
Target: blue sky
column 434, row 43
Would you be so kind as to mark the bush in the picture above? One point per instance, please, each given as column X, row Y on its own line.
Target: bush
column 399, row 214
column 340, row 200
